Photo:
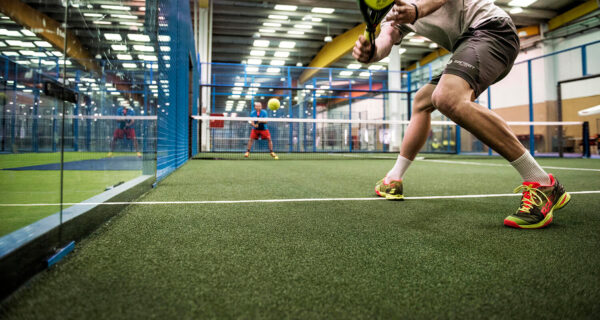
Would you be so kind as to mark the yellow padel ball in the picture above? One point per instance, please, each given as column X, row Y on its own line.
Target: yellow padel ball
column 273, row 104
column 378, row 4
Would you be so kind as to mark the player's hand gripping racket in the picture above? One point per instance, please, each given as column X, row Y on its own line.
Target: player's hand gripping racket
column 373, row 11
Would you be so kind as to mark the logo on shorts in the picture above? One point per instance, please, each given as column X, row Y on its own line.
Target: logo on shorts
column 461, row 63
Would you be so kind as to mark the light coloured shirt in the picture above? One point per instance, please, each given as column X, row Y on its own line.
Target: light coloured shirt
column 445, row 25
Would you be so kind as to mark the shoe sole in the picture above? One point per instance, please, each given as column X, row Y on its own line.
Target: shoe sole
column 561, row 203
column 389, row 196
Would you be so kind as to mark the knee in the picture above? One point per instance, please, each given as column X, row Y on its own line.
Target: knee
column 446, row 101
column 422, row 103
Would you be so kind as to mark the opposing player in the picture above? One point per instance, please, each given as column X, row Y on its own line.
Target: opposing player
column 484, row 44
column 259, row 130
column 125, row 130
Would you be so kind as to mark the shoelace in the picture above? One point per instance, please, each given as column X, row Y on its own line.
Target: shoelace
column 530, row 197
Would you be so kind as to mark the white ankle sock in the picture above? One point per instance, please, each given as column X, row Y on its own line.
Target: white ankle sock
column 530, row 170
column 397, row 172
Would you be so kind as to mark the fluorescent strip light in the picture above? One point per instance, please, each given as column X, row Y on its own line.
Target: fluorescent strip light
column 316, row 19
column 277, row 63
column 124, row 57
column 143, row 48
column 123, row 16
column 259, row 53
column 95, row 15
column 295, row 32
column 130, row 65
column 102, row 22
column 364, row 74
column 147, row 57
column 113, row 36
column 129, row 23
column 28, row 33
column 282, row 54
column 323, row 10
column 10, row 33
column 516, row 10
column 285, row 7
column 254, row 61
column 354, row 66
column 261, row 43
column 278, row 17
column 121, row 8
column 273, row 70
column 266, row 30
column 521, row 3
column 302, row 26
column 401, row 50
column 376, row 67
column 251, row 69
column 119, row 47
column 138, row 37
column 287, row 44
column 272, row 24
column 346, row 73
column 417, row 40
column 164, row 38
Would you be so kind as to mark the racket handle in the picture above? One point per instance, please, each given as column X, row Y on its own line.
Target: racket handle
column 371, row 38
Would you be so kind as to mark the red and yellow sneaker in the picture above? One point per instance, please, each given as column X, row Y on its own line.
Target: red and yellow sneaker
column 247, row 154
column 391, row 191
column 537, row 204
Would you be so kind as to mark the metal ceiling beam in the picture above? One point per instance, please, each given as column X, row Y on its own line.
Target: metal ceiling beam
column 333, row 51
column 573, row 14
column 49, row 30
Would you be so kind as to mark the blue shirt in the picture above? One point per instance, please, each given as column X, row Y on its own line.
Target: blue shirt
column 263, row 114
column 124, row 112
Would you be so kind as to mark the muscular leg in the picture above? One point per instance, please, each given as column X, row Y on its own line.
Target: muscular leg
column 416, row 133
column 420, row 123
column 270, row 145
column 453, row 97
column 250, row 141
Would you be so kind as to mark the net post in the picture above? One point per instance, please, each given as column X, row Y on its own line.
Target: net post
column 586, row 139
column 559, row 113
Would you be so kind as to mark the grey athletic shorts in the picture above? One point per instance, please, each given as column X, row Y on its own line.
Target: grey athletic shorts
column 484, row 55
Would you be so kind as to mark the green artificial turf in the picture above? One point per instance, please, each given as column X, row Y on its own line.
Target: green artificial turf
column 43, row 186
column 329, row 260
column 25, row 187
column 16, row 160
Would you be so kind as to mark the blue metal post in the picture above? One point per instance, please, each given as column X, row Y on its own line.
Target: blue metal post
column 145, row 126
column 531, row 131
column 584, row 60
column 489, row 91
column 36, row 102
column 75, row 113
column 213, row 106
column 290, row 102
column 350, row 118
column 314, row 114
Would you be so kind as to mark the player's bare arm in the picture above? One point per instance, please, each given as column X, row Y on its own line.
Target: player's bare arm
column 405, row 12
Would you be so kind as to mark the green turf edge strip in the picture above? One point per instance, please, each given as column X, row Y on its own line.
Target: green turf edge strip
column 18, row 238
column 61, row 254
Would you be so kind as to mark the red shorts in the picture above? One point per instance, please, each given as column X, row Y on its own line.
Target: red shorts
column 260, row 134
column 121, row 133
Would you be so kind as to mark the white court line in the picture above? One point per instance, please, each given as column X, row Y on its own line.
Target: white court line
column 465, row 196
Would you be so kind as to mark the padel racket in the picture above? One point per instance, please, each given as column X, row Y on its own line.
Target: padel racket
column 373, row 11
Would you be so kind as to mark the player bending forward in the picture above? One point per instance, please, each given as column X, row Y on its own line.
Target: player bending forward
column 484, row 44
column 259, row 130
